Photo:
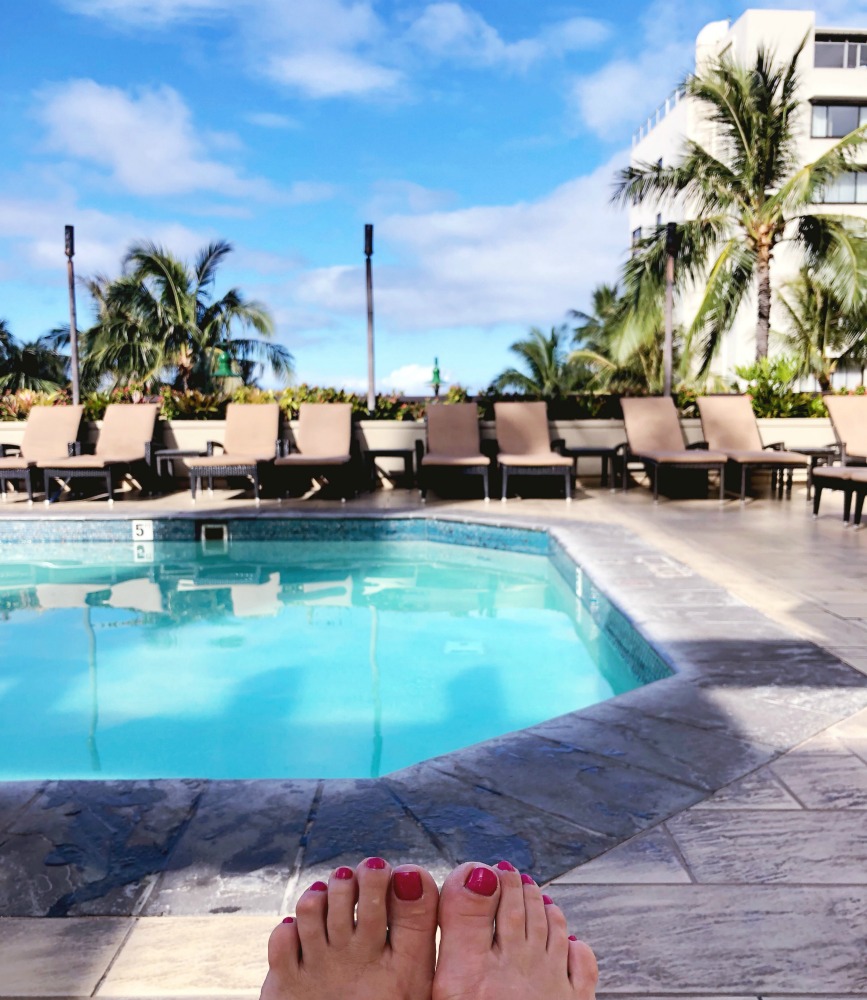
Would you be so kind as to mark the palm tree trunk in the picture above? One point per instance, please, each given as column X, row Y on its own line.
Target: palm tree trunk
column 763, row 325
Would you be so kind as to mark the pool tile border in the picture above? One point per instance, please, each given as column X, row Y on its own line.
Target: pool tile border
column 548, row 798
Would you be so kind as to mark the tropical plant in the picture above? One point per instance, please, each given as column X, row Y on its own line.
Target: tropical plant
column 37, row 366
column 747, row 200
column 551, row 373
column 160, row 316
column 770, row 384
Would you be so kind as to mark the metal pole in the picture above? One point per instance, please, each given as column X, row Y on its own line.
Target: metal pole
column 668, row 343
column 73, row 331
column 371, row 380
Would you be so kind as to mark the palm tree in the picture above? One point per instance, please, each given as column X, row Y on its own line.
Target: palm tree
column 747, row 201
column 824, row 334
column 160, row 315
column 551, row 373
column 37, row 366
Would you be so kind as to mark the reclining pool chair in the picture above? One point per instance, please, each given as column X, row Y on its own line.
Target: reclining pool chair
column 323, row 438
column 729, row 425
column 453, row 443
column 123, row 448
column 655, row 438
column 849, row 421
column 49, row 434
column 525, row 446
column 251, row 444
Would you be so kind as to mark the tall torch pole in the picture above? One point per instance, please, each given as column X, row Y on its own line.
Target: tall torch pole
column 371, row 380
column 668, row 343
column 73, row 331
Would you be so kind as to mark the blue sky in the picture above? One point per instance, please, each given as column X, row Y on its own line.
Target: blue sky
column 479, row 138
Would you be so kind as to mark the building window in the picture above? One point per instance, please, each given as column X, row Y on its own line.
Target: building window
column 848, row 189
column 836, row 52
column 659, row 218
column 636, row 235
column 833, row 121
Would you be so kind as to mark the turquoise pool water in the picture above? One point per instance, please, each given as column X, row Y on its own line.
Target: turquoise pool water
column 282, row 659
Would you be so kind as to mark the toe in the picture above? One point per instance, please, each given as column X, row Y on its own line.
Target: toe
column 511, row 923
column 583, row 970
column 284, row 950
column 340, row 919
column 468, row 906
column 371, row 916
column 310, row 914
column 534, row 911
column 412, row 913
column 557, row 934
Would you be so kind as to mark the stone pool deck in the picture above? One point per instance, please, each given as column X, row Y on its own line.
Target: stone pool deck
column 706, row 834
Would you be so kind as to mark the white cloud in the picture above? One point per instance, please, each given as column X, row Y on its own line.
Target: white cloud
column 517, row 264
column 330, row 73
column 147, row 12
column 147, row 141
column 453, row 32
column 270, row 119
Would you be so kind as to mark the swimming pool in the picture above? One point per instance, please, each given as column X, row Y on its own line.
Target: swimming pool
column 268, row 658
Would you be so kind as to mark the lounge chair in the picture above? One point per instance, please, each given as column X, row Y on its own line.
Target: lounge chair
column 49, row 434
column 849, row 421
column 123, row 448
column 729, row 425
column 525, row 446
column 323, row 438
column 453, row 443
column 251, row 445
column 655, row 438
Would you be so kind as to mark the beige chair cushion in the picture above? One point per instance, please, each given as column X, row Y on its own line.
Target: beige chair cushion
column 323, row 435
column 522, row 429
column 225, row 460
column 729, row 424
column 652, row 424
column 849, row 418
column 453, row 435
column 16, row 462
column 767, row 456
column 455, row 461
column 695, row 456
column 252, row 430
column 535, row 460
column 49, row 432
column 126, row 430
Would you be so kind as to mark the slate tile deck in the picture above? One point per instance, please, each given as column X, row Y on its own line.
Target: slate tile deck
column 705, row 833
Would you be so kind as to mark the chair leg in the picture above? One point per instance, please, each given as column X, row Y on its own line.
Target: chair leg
column 255, row 478
column 569, row 485
column 47, row 489
column 743, row 484
column 656, row 483
column 789, row 476
column 109, row 485
column 847, row 504
column 859, row 506
column 817, row 498
column 722, row 484
column 485, row 484
column 194, row 482
column 28, row 480
column 505, row 481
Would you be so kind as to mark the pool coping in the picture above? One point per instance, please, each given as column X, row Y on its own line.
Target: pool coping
column 743, row 692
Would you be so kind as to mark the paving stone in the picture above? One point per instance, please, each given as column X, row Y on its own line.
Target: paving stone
column 829, row 781
column 359, row 819
column 596, row 792
column 92, row 847
column 238, row 852
column 772, row 847
column 703, row 757
column 14, row 798
column 57, row 958
column 648, row 858
column 755, row 940
column 192, row 956
column 471, row 823
column 759, row 790
column 853, row 733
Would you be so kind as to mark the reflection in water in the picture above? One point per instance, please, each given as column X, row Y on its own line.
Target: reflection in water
column 250, row 663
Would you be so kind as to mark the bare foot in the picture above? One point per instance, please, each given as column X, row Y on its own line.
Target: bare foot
column 501, row 939
column 368, row 935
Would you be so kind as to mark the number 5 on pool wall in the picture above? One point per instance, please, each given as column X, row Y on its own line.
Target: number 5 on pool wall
column 142, row 531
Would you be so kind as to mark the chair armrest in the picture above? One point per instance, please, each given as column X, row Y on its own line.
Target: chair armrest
column 419, row 453
column 72, row 448
column 9, row 449
column 558, row 445
column 278, row 445
column 214, row 444
column 698, row 445
column 286, row 447
column 84, row 448
column 775, row 446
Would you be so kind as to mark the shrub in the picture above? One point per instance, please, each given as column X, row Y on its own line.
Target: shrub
column 770, row 386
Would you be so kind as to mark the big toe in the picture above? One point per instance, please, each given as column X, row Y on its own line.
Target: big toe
column 468, row 907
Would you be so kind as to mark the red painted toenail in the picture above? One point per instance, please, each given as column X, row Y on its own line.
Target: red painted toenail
column 527, row 880
column 318, row 887
column 504, row 866
column 482, row 881
column 376, row 863
column 572, row 937
column 288, row 920
column 547, row 900
column 343, row 873
column 407, row 885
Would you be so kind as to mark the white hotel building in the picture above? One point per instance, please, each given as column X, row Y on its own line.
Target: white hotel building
column 833, row 75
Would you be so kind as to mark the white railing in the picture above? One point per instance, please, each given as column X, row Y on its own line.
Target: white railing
column 668, row 105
